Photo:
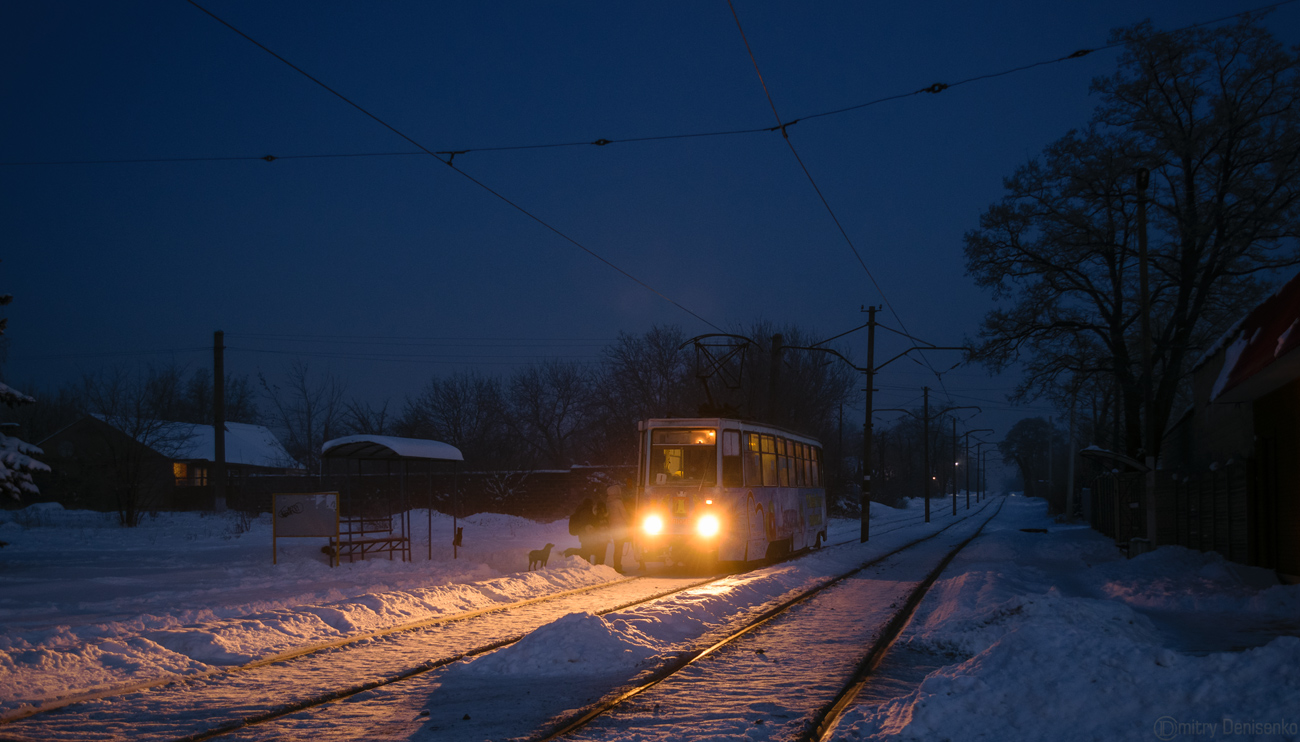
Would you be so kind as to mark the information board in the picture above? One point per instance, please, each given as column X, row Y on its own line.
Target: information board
column 305, row 515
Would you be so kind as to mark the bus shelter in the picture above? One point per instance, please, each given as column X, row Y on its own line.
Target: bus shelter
column 373, row 456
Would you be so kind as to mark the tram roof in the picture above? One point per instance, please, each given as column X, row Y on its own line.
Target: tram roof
column 720, row 422
column 389, row 447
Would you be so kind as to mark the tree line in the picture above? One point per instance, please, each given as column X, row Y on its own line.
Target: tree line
column 1133, row 242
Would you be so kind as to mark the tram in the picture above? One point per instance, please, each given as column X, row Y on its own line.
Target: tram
column 717, row 490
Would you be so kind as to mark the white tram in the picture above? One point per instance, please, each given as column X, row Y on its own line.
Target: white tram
column 713, row 489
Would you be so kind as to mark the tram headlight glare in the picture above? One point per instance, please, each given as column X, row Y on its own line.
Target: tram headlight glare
column 653, row 525
column 708, row 526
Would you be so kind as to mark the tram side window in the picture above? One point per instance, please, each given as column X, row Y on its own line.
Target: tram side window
column 753, row 469
column 783, row 461
column 816, row 466
column 769, row 461
column 801, row 463
column 731, row 474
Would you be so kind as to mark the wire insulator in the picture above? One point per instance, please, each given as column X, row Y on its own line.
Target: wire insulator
column 270, row 158
column 602, row 142
column 938, row 87
column 1080, row 53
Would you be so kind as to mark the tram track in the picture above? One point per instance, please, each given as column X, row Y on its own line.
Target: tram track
column 196, row 683
column 821, row 723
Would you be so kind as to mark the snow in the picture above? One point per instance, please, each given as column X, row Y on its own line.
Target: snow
column 1113, row 648
column 1026, row 635
column 251, row 445
column 387, row 446
column 1230, row 357
column 84, row 603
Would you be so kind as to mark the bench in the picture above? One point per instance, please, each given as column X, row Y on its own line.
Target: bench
column 362, row 536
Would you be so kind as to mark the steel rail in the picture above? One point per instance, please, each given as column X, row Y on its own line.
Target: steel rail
column 825, row 720
column 584, row 717
column 295, row 653
column 344, row 642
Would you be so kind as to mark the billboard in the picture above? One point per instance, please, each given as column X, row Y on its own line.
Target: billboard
column 305, row 515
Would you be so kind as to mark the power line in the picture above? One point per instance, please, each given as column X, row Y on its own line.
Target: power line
column 454, row 360
column 933, row 89
column 843, row 232
column 464, row 174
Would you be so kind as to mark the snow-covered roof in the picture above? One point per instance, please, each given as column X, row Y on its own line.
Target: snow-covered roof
column 249, row 445
column 1259, row 349
column 389, row 447
column 246, row 445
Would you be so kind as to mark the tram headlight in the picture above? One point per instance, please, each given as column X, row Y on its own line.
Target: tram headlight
column 653, row 525
column 708, row 526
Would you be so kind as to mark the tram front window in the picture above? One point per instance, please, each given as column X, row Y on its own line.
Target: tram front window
column 683, row 457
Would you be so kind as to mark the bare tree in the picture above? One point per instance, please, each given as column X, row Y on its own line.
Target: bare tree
column 308, row 411
column 137, row 440
column 468, row 411
column 549, row 410
column 1214, row 116
column 359, row 418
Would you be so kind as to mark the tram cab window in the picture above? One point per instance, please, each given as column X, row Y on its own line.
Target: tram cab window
column 683, row 456
column 816, row 466
column 753, row 469
column 731, row 472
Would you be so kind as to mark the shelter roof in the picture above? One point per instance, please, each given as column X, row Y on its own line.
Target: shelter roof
column 389, row 447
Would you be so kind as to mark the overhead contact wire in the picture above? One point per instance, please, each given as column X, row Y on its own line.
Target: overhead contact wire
column 843, row 232
column 448, row 162
column 937, row 87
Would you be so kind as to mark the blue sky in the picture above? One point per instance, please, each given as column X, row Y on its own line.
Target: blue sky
column 111, row 262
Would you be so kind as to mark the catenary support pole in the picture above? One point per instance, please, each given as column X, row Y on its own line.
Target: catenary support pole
column 954, row 464
column 218, row 421
column 925, row 446
column 867, row 426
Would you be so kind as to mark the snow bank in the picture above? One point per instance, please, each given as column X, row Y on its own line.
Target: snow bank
column 1057, row 637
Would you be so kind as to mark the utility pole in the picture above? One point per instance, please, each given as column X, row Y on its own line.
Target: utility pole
column 1148, row 372
column 867, row 426
column 966, row 437
column 870, row 372
column 218, row 421
column 925, row 438
column 1051, row 433
column 774, row 379
column 954, row 464
column 1069, row 467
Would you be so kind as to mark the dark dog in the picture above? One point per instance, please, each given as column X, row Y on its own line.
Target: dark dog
column 538, row 557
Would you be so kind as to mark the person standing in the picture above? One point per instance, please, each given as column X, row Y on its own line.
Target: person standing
column 600, row 532
column 582, row 524
column 618, row 524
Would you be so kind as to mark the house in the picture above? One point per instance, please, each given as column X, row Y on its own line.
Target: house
column 1234, row 483
column 98, row 462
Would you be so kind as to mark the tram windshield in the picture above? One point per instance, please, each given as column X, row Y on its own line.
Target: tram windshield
column 683, row 456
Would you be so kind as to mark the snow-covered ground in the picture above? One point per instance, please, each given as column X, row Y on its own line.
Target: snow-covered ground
column 1026, row 635
column 1056, row 636
column 85, row 604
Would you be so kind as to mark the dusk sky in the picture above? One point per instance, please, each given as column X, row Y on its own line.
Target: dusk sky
column 387, row 270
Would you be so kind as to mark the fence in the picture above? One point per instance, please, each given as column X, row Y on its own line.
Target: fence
column 1208, row 511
